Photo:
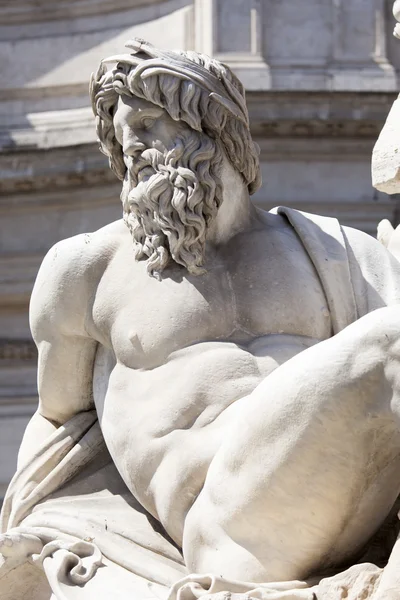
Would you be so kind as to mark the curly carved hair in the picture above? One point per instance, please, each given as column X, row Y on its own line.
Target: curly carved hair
column 190, row 87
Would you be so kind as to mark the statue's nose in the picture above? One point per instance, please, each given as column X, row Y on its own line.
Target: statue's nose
column 132, row 146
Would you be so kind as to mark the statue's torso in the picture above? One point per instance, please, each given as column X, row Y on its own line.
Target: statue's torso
column 187, row 348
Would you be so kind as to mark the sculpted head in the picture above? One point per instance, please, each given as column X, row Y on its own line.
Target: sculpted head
column 168, row 122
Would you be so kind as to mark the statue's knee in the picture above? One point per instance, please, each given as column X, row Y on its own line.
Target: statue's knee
column 382, row 326
column 374, row 338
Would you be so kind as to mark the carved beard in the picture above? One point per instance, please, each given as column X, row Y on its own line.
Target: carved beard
column 170, row 200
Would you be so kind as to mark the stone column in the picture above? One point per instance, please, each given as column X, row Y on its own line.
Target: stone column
column 231, row 31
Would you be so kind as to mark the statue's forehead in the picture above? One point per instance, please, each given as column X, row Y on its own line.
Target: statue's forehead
column 135, row 104
column 130, row 108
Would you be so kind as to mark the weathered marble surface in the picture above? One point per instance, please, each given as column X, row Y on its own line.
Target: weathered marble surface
column 386, row 154
column 219, row 394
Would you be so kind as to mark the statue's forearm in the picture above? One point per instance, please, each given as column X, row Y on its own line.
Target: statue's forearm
column 38, row 429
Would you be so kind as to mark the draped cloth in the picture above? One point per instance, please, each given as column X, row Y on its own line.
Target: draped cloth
column 68, row 514
column 69, row 511
column 69, row 493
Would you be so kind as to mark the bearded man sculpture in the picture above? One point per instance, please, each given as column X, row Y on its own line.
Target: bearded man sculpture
column 219, row 386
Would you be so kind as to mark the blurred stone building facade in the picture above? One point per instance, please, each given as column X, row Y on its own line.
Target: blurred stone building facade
column 320, row 75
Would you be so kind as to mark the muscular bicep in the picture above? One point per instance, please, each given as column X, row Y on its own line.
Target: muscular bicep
column 65, row 370
column 58, row 310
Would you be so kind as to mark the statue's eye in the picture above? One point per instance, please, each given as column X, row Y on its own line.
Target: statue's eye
column 148, row 122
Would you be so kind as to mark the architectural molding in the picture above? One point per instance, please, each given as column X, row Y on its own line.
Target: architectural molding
column 18, row 382
column 17, row 275
column 329, row 128
column 74, row 198
column 25, row 407
column 234, row 37
column 28, row 171
column 282, row 148
column 28, row 11
column 65, row 92
column 50, row 129
column 21, row 350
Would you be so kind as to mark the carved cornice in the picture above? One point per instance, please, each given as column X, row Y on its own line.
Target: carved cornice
column 38, row 94
column 282, row 148
column 314, row 128
column 318, row 114
column 18, row 374
column 50, row 129
column 62, row 176
column 28, row 11
column 17, row 350
column 70, row 198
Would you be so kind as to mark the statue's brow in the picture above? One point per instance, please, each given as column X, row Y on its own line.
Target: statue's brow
column 154, row 111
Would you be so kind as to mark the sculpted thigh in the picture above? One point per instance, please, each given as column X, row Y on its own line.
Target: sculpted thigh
column 335, row 393
column 301, row 449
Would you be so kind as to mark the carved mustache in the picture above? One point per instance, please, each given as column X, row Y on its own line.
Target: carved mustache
column 144, row 165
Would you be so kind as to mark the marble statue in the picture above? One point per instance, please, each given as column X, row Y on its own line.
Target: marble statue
column 219, row 386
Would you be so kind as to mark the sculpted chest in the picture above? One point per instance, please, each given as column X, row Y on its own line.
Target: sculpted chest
column 240, row 298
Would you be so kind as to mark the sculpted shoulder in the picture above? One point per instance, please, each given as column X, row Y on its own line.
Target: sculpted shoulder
column 68, row 279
